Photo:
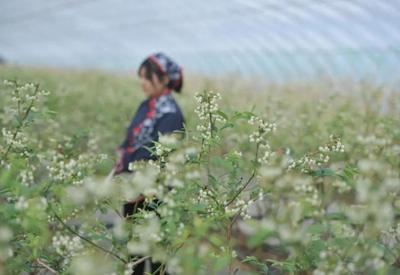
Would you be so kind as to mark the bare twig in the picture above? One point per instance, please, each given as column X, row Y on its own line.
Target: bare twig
column 241, row 189
column 229, row 236
column 39, row 261
column 87, row 240
column 135, row 263
column 247, row 182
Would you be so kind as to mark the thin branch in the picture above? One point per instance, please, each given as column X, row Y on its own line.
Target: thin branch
column 135, row 263
column 247, row 182
column 112, row 208
column 87, row 240
column 241, row 189
column 163, row 269
column 212, row 196
column 46, row 266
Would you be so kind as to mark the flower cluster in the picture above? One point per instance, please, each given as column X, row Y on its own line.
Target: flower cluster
column 161, row 151
column 21, row 203
column 326, row 266
column 263, row 129
column 67, row 246
column 17, row 140
column 165, row 145
column 6, row 250
column 207, row 111
column 266, row 153
column 174, row 266
column 62, row 169
column 335, row 145
column 341, row 186
column 27, row 177
column 204, row 195
column 207, row 104
column 331, row 260
column 191, row 175
column 373, row 140
column 312, row 161
column 25, row 96
column 143, row 181
column 239, row 207
column 391, row 236
column 305, row 186
column 25, row 88
column 180, row 229
column 145, row 236
column 190, row 153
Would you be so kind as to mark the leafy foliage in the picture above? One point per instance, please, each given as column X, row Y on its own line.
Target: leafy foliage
column 278, row 192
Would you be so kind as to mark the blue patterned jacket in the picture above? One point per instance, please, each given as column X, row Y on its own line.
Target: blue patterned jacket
column 155, row 115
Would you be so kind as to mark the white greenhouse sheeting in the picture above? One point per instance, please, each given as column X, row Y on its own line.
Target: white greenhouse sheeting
column 279, row 40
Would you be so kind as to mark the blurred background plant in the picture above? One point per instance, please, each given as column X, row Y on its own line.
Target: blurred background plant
column 296, row 189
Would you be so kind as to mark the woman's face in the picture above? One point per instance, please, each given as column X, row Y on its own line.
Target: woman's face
column 154, row 87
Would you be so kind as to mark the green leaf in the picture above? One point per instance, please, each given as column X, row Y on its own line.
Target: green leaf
column 345, row 243
column 222, row 114
column 219, row 162
column 243, row 115
column 336, row 216
column 212, row 181
column 316, row 229
column 227, row 125
column 222, row 262
column 323, row 172
column 254, row 261
column 287, row 266
column 314, row 249
column 348, row 175
column 259, row 238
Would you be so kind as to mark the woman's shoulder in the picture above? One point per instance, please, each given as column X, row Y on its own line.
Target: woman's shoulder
column 166, row 105
column 144, row 103
column 177, row 109
column 170, row 122
column 169, row 110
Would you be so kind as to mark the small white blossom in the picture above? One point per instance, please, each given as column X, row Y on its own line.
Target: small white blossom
column 21, row 203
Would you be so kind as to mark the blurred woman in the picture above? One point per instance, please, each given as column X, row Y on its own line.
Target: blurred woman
column 159, row 113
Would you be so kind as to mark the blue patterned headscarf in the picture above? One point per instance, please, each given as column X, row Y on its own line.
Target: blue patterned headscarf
column 170, row 68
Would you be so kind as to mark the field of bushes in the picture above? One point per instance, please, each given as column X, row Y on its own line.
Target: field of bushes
column 301, row 178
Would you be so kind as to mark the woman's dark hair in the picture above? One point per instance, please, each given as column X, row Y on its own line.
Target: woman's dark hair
column 150, row 67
